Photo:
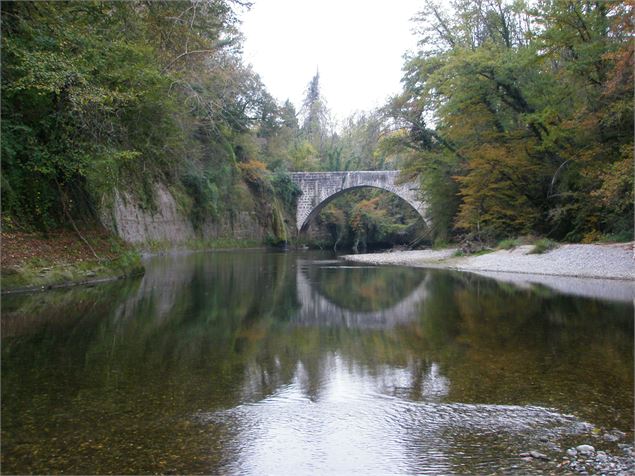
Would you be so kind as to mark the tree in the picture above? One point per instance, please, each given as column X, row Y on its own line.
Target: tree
column 289, row 117
column 502, row 104
column 358, row 141
column 120, row 95
column 77, row 105
column 315, row 115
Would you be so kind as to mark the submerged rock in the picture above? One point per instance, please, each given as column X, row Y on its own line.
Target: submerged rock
column 584, row 459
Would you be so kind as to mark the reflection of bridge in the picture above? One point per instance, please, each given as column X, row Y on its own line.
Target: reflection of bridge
column 319, row 188
column 317, row 309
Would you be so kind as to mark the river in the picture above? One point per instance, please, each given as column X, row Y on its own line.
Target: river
column 253, row 362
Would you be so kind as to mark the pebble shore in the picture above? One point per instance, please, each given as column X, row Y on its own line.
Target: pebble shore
column 583, row 261
column 599, row 271
column 585, row 458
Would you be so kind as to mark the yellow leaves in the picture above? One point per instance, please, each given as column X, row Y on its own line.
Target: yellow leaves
column 253, row 165
column 591, row 237
column 496, row 191
column 365, row 213
column 465, row 127
column 253, row 170
column 616, row 189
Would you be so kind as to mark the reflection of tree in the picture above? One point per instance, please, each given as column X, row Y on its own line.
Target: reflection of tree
column 365, row 288
column 124, row 366
column 514, row 346
column 106, row 370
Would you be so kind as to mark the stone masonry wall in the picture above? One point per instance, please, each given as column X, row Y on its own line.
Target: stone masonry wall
column 318, row 188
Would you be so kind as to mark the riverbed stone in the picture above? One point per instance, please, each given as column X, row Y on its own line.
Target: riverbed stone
column 601, row 456
column 618, row 433
column 585, row 450
column 538, row 455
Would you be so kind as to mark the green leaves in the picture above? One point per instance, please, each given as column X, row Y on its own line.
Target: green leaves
column 87, row 100
column 504, row 95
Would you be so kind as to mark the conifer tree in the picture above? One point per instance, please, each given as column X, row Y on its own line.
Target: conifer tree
column 315, row 115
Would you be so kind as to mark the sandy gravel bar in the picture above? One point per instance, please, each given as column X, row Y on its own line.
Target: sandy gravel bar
column 615, row 261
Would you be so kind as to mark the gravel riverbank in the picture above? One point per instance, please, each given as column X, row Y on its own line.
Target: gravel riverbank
column 582, row 261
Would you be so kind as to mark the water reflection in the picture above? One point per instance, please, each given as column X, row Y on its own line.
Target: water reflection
column 609, row 289
column 355, row 429
column 357, row 296
column 360, row 288
column 260, row 363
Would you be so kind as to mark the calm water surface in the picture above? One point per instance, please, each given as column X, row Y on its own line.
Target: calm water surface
column 280, row 363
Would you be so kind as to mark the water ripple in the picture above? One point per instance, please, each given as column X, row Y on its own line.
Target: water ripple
column 354, row 426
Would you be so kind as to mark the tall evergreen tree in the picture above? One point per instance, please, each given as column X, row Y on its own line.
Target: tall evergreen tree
column 289, row 117
column 314, row 115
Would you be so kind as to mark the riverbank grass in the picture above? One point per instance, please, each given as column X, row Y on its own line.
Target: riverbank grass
column 157, row 247
column 508, row 244
column 542, row 246
column 41, row 273
column 34, row 261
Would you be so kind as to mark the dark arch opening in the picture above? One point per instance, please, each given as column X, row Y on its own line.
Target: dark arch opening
column 402, row 225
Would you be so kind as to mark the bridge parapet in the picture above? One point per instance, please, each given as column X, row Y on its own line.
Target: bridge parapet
column 319, row 188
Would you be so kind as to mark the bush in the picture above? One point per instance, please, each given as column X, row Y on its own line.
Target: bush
column 543, row 245
column 285, row 188
column 508, row 244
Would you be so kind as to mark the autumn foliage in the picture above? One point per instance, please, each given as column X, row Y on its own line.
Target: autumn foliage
column 519, row 117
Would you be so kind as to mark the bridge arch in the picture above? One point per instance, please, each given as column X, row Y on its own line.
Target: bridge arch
column 319, row 188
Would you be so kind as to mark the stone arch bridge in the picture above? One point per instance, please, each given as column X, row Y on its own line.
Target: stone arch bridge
column 319, row 188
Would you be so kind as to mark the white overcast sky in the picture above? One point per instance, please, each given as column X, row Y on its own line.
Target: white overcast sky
column 358, row 46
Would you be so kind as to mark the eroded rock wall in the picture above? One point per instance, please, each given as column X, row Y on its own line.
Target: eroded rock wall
column 167, row 222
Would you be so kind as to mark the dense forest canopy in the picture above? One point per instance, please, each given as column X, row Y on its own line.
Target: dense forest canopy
column 516, row 116
column 100, row 95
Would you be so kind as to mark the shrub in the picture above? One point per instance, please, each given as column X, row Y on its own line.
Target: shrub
column 508, row 244
column 543, row 245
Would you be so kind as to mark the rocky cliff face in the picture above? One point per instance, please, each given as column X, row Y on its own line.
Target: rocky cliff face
column 168, row 223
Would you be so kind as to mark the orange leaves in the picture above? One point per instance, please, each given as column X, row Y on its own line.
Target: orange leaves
column 616, row 189
column 496, row 191
column 253, row 170
column 366, row 213
column 252, row 165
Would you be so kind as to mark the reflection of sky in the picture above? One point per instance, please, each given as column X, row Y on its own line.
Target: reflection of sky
column 609, row 289
column 349, row 428
column 361, row 422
